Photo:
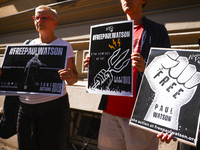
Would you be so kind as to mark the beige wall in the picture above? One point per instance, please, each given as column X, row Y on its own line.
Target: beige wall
column 10, row 7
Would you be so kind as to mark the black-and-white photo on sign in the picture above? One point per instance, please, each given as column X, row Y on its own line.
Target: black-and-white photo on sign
column 168, row 100
column 33, row 69
column 110, row 69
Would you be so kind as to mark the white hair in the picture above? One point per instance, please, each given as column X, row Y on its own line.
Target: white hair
column 52, row 11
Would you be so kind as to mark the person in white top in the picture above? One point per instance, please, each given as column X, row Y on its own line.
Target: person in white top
column 43, row 120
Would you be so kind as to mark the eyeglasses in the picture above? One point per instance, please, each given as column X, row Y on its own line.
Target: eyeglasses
column 43, row 18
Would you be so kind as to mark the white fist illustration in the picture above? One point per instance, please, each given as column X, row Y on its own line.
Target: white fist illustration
column 103, row 79
column 174, row 82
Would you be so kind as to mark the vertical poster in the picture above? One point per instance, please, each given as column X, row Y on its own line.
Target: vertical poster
column 110, row 69
column 168, row 100
column 33, row 69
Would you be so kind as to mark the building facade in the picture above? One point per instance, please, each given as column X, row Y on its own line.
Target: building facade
column 180, row 17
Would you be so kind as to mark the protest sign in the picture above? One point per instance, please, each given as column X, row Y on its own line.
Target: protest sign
column 110, row 69
column 168, row 99
column 33, row 69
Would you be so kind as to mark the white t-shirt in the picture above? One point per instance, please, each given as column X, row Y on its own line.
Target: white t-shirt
column 34, row 98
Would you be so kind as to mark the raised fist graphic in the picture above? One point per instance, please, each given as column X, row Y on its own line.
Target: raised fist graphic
column 116, row 63
column 174, row 82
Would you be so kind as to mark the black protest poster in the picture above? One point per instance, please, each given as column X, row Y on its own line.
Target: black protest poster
column 33, row 69
column 110, row 69
column 168, row 100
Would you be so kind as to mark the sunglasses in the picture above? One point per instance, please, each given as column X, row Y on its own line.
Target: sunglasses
column 43, row 18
